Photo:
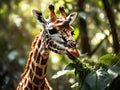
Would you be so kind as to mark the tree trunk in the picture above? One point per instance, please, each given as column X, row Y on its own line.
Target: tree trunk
column 111, row 20
column 83, row 29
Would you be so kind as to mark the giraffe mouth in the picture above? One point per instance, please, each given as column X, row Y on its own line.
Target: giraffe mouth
column 73, row 53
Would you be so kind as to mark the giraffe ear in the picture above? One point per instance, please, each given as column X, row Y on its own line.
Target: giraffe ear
column 71, row 17
column 39, row 17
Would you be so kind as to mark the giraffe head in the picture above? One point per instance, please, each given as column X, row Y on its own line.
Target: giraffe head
column 60, row 30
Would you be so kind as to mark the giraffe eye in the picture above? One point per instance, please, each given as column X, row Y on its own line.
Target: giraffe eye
column 53, row 31
column 72, row 33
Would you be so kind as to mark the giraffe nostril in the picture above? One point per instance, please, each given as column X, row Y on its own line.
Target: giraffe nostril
column 74, row 43
column 71, row 44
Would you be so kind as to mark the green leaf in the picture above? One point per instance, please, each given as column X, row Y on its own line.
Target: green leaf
column 114, row 70
column 98, row 80
column 75, row 85
column 61, row 73
column 85, row 87
column 108, row 59
column 70, row 66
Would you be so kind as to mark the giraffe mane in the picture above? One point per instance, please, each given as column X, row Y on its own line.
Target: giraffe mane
column 30, row 56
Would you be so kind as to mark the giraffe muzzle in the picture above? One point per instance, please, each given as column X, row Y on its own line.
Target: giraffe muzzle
column 73, row 53
column 71, row 44
column 71, row 49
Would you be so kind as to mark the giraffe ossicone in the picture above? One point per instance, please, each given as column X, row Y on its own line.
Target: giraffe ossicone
column 56, row 36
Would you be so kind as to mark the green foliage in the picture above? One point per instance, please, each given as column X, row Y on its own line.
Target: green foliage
column 61, row 73
column 97, row 80
column 101, row 78
column 114, row 70
column 89, row 78
column 70, row 66
column 109, row 59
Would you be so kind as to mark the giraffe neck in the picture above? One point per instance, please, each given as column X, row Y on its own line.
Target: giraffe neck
column 34, row 76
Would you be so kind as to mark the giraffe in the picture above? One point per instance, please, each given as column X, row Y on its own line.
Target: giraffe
column 56, row 36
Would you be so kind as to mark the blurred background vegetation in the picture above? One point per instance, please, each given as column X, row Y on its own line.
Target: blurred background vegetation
column 97, row 31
